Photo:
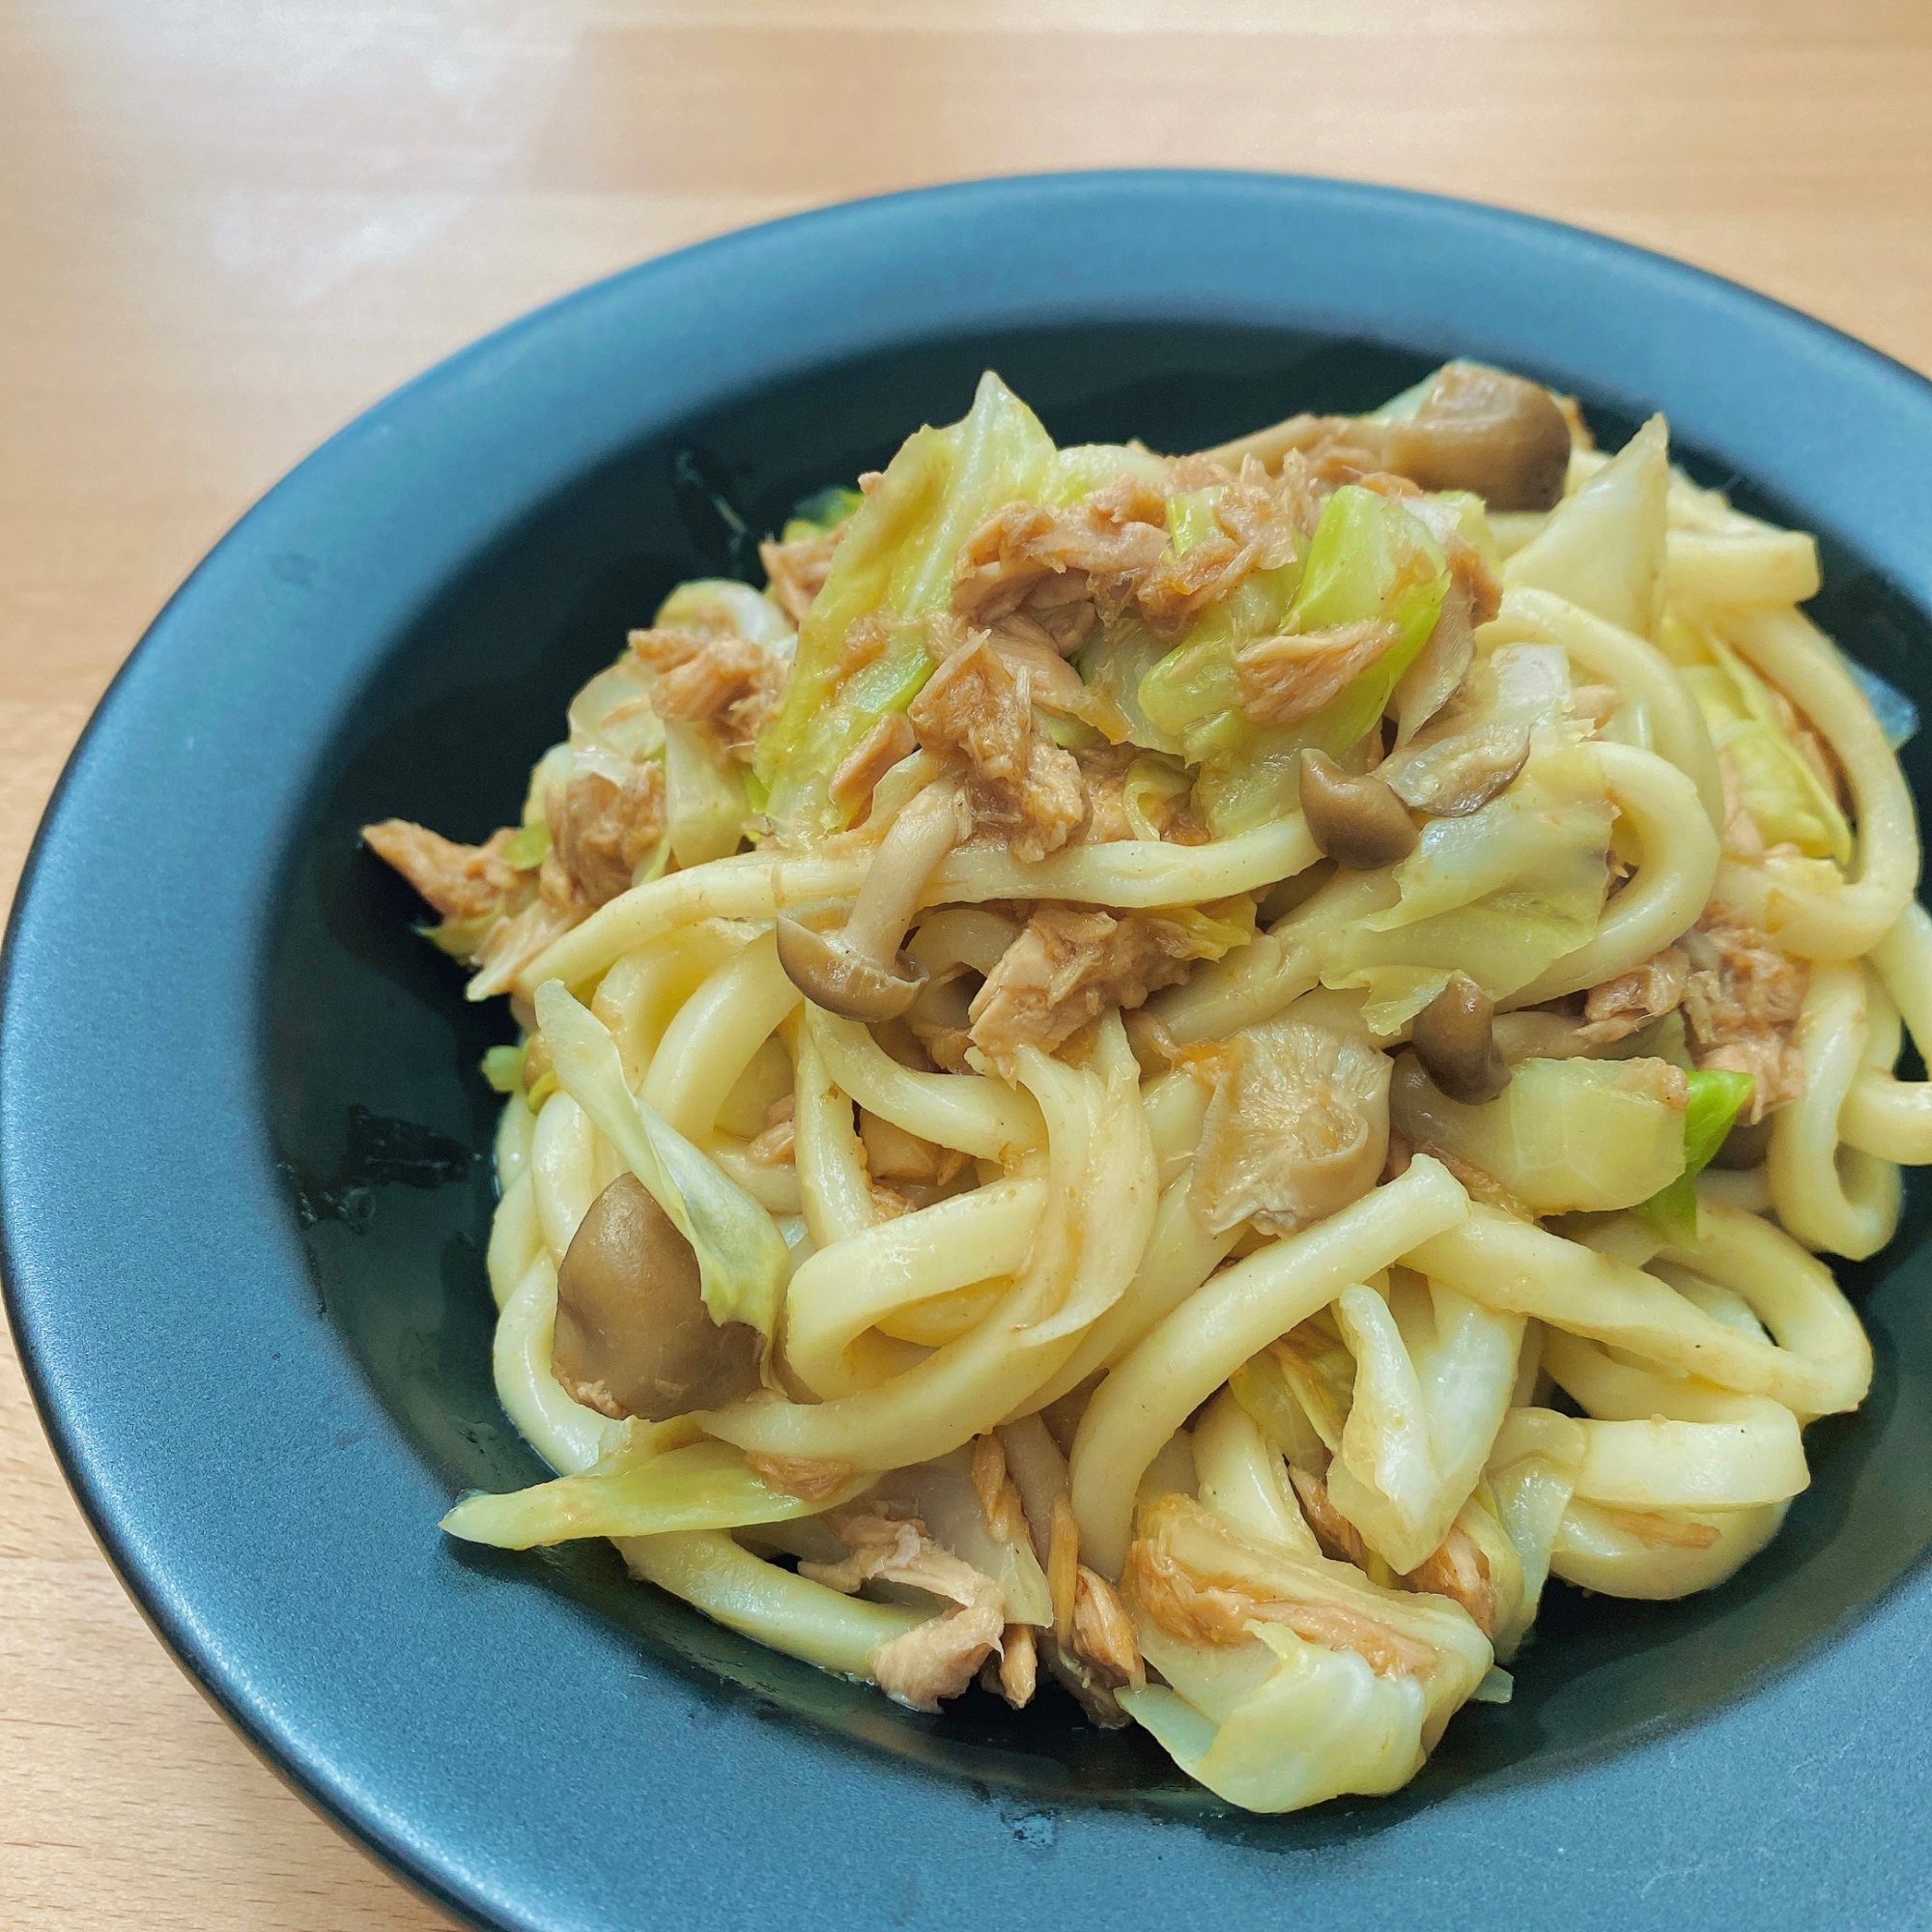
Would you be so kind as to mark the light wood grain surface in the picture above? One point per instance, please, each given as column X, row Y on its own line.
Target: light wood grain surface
column 226, row 227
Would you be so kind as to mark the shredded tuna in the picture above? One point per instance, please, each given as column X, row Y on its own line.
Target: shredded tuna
column 1018, row 1671
column 1460, row 1571
column 1063, row 1566
column 665, row 649
column 976, row 711
column 1739, row 834
column 813, row 1477
column 1480, row 1184
column 1071, row 965
column 1053, row 681
column 1259, row 524
column 861, row 768
column 1457, row 1569
column 1298, row 1127
column 1659, row 1532
column 1103, row 771
column 940, row 1657
column 947, row 1046
column 1620, row 1006
column 1285, row 679
column 797, row 570
column 462, row 882
column 728, row 682
column 999, row 1498
column 1103, row 1634
column 1741, row 1002
column 1217, row 1614
column 1110, row 538
column 601, row 832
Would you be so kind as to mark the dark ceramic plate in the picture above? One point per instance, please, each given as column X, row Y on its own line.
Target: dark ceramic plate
column 242, row 1131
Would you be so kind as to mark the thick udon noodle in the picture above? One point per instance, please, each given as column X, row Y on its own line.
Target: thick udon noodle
column 1074, row 1267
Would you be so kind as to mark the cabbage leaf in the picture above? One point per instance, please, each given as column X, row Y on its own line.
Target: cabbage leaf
column 895, row 562
column 1718, row 1096
column 1278, row 1720
column 1499, row 895
column 1787, row 800
column 1564, row 1135
column 1434, row 1372
column 1371, row 557
column 703, row 1486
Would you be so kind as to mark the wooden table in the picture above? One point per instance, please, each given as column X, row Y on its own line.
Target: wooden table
column 224, row 229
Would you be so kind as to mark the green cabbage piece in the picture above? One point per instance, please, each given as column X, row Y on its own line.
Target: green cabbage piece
column 1500, row 895
column 1564, row 1136
column 1278, row 1721
column 1370, row 558
column 1190, row 518
column 1113, row 665
column 528, row 846
column 1717, row 1097
column 1783, row 795
column 895, row 562
column 743, row 1262
column 703, row 1486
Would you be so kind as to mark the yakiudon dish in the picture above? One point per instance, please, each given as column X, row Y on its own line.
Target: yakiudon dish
column 1189, row 1075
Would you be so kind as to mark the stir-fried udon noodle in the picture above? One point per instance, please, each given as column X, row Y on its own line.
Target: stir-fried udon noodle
column 1190, row 1075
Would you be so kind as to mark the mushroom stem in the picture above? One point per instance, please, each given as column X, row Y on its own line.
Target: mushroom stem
column 932, row 822
column 859, row 972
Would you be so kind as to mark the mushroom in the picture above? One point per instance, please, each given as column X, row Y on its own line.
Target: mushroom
column 859, row 971
column 1478, row 429
column 1454, row 1039
column 633, row 1334
column 1461, row 771
column 1475, row 428
column 1358, row 822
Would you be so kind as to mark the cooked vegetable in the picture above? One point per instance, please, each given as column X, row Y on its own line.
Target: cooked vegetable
column 1565, row 1135
column 742, row 1259
column 1370, row 563
column 1355, row 820
column 1717, row 1098
column 893, row 565
column 1478, row 429
column 1455, row 1040
column 698, row 1486
column 634, row 1336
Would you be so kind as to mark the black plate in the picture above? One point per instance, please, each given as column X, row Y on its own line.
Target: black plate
column 242, row 1132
